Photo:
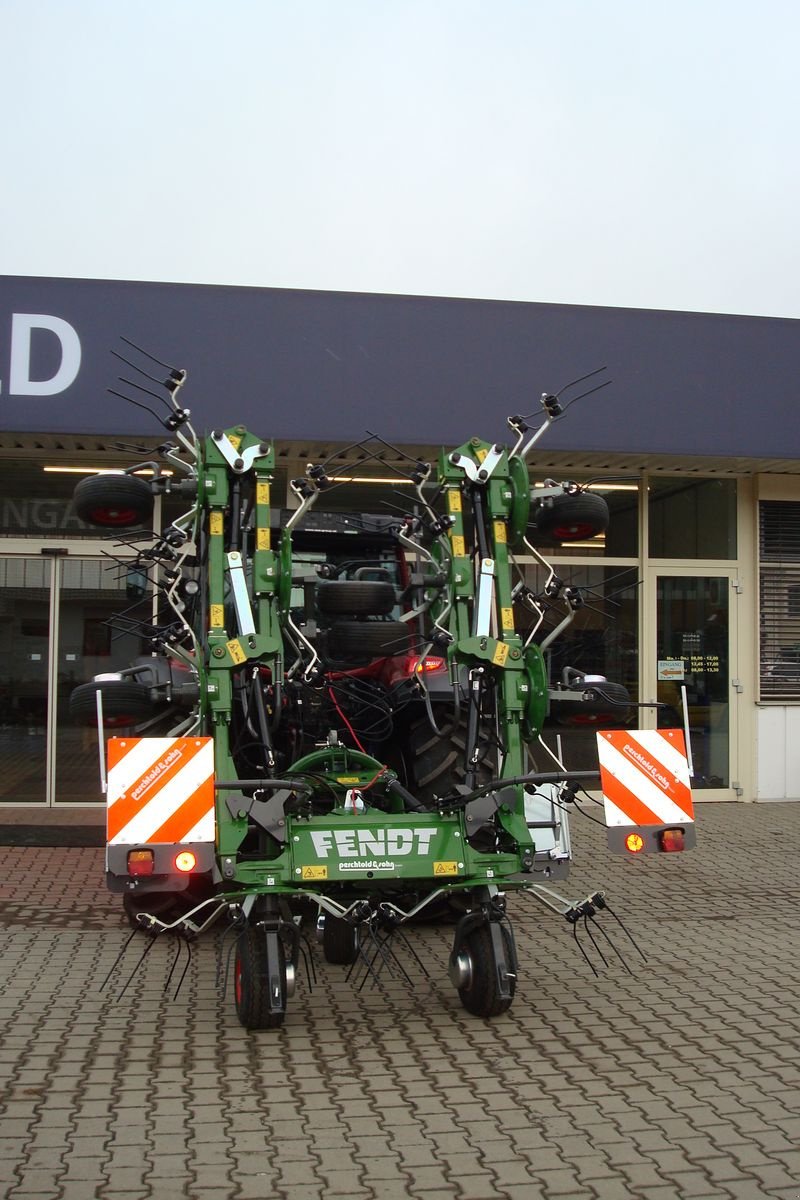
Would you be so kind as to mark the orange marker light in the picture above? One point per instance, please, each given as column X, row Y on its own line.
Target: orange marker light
column 140, row 862
column 671, row 840
column 185, row 861
column 634, row 842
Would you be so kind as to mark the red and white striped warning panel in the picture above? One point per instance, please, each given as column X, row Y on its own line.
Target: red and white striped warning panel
column 645, row 777
column 160, row 790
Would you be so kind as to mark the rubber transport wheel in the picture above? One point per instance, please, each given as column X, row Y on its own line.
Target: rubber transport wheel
column 124, row 702
column 610, row 702
column 250, row 982
column 367, row 639
column 569, row 518
column 481, row 994
column 114, row 501
column 436, row 764
column 357, row 598
column 339, row 940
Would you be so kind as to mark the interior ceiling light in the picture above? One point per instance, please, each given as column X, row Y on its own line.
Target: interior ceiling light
column 98, row 471
column 374, row 479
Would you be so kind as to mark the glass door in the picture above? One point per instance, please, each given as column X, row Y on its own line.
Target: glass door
column 26, row 617
column 693, row 672
column 59, row 626
column 98, row 614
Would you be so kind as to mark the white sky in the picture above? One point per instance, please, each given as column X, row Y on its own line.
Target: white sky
column 616, row 152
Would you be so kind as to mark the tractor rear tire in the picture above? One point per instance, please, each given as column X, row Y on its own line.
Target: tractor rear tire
column 437, row 762
column 114, row 501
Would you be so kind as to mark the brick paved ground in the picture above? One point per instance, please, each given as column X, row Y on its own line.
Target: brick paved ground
column 680, row 1081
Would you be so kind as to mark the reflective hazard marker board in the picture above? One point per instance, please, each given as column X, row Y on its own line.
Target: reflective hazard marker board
column 646, row 790
column 160, row 790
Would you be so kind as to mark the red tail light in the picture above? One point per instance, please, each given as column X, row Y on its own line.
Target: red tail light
column 671, row 840
column 140, row 862
column 416, row 665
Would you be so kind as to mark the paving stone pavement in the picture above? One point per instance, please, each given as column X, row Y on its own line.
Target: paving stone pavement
column 680, row 1080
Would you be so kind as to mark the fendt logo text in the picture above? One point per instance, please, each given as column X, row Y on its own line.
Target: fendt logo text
column 372, row 843
column 21, row 381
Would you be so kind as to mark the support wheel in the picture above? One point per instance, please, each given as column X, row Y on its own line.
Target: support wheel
column 125, row 702
column 114, row 501
column 339, row 940
column 474, row 965
column 252, row 972
column 569, row 518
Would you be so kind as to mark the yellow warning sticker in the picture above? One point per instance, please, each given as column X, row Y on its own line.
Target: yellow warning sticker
column 314, row 873
column 457, row 542
column 454, row 500
column 507, row 615
column 236, row 650
column 500, row 532
column 445, row 868
column 263, row 541
column 262, row 493
column 234, row 440
column 349, row 779
column 215, row 523
column 500, row 655
column 481, row 454
column 217, row 616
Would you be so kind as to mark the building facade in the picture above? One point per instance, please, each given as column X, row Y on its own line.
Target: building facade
column 692, row 595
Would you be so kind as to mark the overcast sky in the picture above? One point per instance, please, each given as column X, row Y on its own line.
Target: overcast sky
column 608, row 152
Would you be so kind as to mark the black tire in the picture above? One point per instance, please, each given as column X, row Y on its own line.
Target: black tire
column 568, row 518
column 365, row 640
column 437, row 763
column 250, row 982
column 607, row 703
column 480, row 995
column 355, row 597
column 339, row 941
column 114, row 501
column 124, row 702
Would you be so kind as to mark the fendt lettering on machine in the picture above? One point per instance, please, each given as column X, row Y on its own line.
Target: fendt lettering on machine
column 335, row 721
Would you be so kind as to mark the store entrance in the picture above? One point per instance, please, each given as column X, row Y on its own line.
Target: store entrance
column 55, row 634
column 694, row 672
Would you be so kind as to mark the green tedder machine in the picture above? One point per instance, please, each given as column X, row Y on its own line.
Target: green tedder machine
column 336, row 714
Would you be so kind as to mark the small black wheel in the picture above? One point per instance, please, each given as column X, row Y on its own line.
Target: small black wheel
column 124, row 702
column 480, row 991
column 339, row 940
column 568, row 518
column 356, row 597
column 251, row 981
column 365, row 640
column 114, row 501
